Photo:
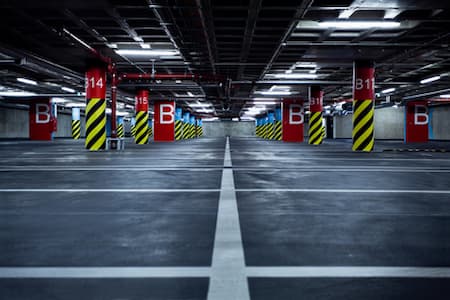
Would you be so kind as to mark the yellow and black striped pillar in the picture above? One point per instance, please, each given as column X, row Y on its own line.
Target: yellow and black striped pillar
column 120, row 130
column 193, row 123
column 199, row 127
column 186, row 125
column 141, row 135
column 271, row 126
column 95, row 109
column 278, row 135
column 150, row 129
column 363, row 107
column 257, row 127
column 315, row 117
column 266, row 128
column 76, row 123
column 178, row 124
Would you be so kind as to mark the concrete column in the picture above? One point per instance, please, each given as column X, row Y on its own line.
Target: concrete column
column 141, row 135
column 363, row 106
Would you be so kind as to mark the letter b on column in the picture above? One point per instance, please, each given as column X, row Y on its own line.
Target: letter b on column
column 296, row 114
column 166, row 114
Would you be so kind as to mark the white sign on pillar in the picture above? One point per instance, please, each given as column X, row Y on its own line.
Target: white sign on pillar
column 167, row 114
column 420, row 115
column 296, row 110
column 42, row 110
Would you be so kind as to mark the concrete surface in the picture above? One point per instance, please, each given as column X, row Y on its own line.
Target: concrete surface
column 221, row 129
column 440, row 122
column 144, row 223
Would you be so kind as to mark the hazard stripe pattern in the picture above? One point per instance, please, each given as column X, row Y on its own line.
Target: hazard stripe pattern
column 95, row 124
column 76, row 129
column 150, row 131
column 315, row 128
column 271, row 131
column 120, row 132
column 199, row 131
column 178, row 130
column 185, row 130
column 191, row 131
column 133, row 130
column 363, row 125
column 278, row 131
column 141, row 136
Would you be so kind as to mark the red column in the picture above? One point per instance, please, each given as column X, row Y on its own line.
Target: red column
column 141, row 135
column 164, row 121
column 417, row 120
column 95, row 108
column 42, row 120
column 316, row 130
column 363, row 106
column 293, row 119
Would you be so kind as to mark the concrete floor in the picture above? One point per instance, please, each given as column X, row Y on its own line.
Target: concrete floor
column 293, row 221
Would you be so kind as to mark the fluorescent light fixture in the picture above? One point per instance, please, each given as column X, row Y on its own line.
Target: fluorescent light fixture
column 27, row 81
column 295, row 76
column 235, row 119
column 431, row 79
column 77, row 39
column 265, row 102
column 288, row 71
column 278, row 93
column 190, row 94
column 138, row 39
column 75, row 104
column 17, row 94
column 359, row 24
column 305, row 65
column 147, row 52
column 178, row 81
column 210, row 119
column 59, row 100
column 199, row 104
column 108, row 110
column 68, row 89
column 122, row 113
column 386, row 91
column 145, row 46
column 445, row 96
column 112, row 45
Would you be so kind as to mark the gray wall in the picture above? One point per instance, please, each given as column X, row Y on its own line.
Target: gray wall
column 65, row 126
column 389, row 124
column 440, row 123
column 14, row 123
column 221, row 129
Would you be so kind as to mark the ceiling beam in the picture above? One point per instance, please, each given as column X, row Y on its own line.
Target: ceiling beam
column 299, row 13
column 253, row 12
column 208, row 32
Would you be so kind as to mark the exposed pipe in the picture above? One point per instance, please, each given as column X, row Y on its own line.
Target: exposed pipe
column 114, row 82
column 135, row 76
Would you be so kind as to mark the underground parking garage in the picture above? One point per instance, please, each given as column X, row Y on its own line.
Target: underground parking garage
column 224, row 149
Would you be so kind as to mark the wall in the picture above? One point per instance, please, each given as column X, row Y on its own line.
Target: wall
column 221, row 129
column 65, row 126
column 389, row 124
column 14, row 123
column 440, row 123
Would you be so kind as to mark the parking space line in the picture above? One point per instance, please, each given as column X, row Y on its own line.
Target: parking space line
column 381, row 191
column 228, row 279
column 108, row 190
column 353, row 272
column 103, row 272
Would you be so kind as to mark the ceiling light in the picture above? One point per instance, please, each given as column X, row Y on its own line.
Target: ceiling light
column 445, row 96
column 138, row 39
column 294, row 76
column 112, row 45
column 199, row 104
column 431, row 79
column 210, row 119
column 68, row 89
column 146, row 52
column 16, row 94
column 305, row 65
column 75, row 104
column 279, row 93
column 27, row 81
column 288, row 71
column 359, row 24
column 265, row 102
column 190, row 94
column 386, row 91
column 59, row 100
column 145, row 46
column 122, row 113
column 177, row 81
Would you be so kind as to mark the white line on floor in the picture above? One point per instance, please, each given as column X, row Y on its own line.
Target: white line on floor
column 334, row 169
column 357, row 272
column 103, row 272
column 346, row 191
column 228, row 280
column 108, row 190
column 106, row 168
